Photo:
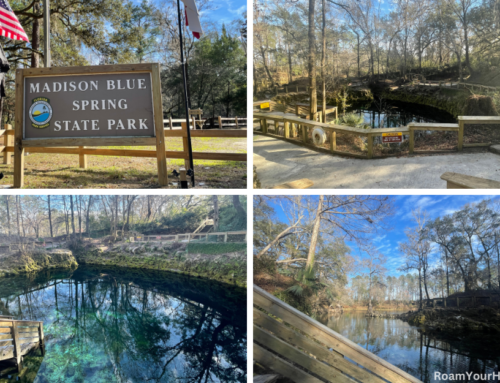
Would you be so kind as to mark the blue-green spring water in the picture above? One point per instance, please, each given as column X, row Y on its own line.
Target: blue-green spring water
column 123, row 325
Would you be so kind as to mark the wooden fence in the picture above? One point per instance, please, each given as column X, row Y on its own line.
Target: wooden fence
column 455, row 85
column 222, row 123
column 228, row 236
column 289, row 127
column 463, row 301
column 83, row 152
column 304, row 350
column 17, row 338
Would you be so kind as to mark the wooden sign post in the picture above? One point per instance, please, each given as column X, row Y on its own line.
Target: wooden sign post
column 108, row 105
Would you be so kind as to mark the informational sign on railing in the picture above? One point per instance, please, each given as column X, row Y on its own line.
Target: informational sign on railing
column 392, row 137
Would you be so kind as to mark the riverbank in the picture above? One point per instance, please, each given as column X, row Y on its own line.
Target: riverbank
column 36, row 260
column 223, row 262
column 457, row 322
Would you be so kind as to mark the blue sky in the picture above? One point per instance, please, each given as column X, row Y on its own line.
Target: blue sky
column 387, row 241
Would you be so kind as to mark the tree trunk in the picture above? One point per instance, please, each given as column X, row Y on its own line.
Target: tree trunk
column 215, row 201
column 87, row 220
column 7, row 197
column 72, row 214
column 466, row 38
column 314, row 236
column 359, row 69
column 312, row 62
column 17, row 216
column 447, row 273
column 50, row 216
column 323, row 63
column 420, row 286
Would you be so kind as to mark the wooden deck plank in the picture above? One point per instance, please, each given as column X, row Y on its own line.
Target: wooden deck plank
column 333, row 358
column 281, row 366
column 265, row 378
column 330, row 338
column 302, row 359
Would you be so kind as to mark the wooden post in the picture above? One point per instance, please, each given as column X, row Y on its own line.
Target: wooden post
column 161, row 157
column 82, row 158
column 185, row 146
column 225, row 237
column 236, row 121
column 177, row 238
column 194, row 122
column 170, row 122
column 458, row 302
column 40, row 335
column 220, row 122
column 333, row 140
column 17, row 346
column 369, row 154
column 183, row 179
column 411, row 142
column 461, row 127
column 8, row 141
column 434, row 303
column 336, row 112
column 286, row 89
column 297, row 88
column 444, row 302
column 304, row 134
column 287, row 129
column 265, row 125
column 18, row 137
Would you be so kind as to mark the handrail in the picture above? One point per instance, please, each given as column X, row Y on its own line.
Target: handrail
column 330, row 338
column 369, row 133
column 12, row 339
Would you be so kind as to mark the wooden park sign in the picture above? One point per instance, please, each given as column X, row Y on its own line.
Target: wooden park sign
column 108, row 105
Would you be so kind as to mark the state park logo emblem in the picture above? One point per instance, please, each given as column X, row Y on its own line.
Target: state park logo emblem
column 40, row 112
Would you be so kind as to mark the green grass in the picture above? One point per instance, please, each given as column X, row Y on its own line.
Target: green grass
column 215, row 248
column 62, row 170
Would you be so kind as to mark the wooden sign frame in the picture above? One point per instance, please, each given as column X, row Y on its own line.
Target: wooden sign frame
column 20, row 144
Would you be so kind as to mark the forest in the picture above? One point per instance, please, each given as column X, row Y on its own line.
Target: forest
column 118, row 32
column 329, row 41
column 99, row 216
column 317, row 251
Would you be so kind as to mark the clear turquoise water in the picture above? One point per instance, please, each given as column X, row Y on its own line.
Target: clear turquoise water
column 121, row 325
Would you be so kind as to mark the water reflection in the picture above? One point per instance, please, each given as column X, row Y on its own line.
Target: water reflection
column 392, row 114
column 415, row 352
column 112, row 325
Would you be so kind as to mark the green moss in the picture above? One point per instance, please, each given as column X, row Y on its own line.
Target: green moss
column 215, row 248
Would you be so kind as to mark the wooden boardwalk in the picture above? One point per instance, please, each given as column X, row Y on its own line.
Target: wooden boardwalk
column 304, row 350
column 17, row 338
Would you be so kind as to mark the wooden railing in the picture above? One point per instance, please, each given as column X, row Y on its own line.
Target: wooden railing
column 298, row 347
column 299, row 128
column 83, row 152
column 209, row 222
column 287, row 127
column 463, row 301
column 455, row 85
column 226, row 237
column 222, row 123
column 17, row 338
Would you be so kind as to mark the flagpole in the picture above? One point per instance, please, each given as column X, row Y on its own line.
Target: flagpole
column 190, row 149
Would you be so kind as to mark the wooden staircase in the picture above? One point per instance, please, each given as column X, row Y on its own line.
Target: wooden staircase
column 205, row 227
column 18, row 338
column 303, row 350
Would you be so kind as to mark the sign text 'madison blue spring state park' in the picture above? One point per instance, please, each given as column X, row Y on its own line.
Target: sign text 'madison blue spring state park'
column 85, row 106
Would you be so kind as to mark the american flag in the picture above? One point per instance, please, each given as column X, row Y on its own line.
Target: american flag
column 9, row 24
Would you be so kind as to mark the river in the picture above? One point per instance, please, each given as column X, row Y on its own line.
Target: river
column 126, row 325
column 415, row 352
